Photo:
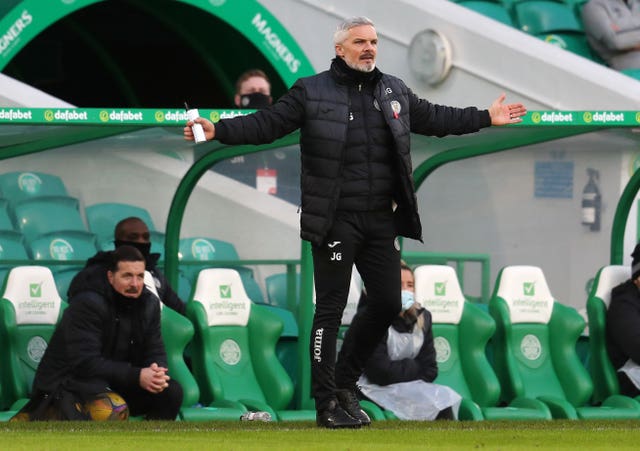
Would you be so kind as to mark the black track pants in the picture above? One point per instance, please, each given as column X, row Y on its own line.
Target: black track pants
column 367, row 239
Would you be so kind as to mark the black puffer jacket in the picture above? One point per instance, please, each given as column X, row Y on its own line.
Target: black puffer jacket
column 381, row 370
column 103, row 340
column 320, row 107
column 94, row 276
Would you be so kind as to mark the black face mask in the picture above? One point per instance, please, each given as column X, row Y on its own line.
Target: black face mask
column 255, row 101
column 144, row 248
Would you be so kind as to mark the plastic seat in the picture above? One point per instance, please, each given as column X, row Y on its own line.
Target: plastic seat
column 17, row 187
column 575, row 42
column 535, row 349
column 234, row 348
column 5, row 219
column 603, row 374
column 39, row 217
column 64, row 246
column 461, row 331
column 276, row 287
column 206, row 250
column 177, row 332
column 543, row 17
column 11, row 248
column 29, row 311
column 490, row 9
column 102, row 219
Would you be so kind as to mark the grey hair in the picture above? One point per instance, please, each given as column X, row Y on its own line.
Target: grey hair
column 342, row 31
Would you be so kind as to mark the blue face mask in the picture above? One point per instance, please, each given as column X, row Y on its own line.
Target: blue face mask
column 407, row 300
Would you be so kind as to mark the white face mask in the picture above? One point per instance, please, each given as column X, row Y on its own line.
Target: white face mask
column 407, row 300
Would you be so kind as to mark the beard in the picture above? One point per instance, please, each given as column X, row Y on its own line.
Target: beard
column 361, row 67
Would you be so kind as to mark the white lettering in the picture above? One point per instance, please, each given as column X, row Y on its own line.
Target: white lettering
column 13, row 33
column 15, row 115
column 276, row 43
column 317, row 345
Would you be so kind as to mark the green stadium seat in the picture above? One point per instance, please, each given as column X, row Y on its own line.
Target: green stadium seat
column 276, row 287
column 177, row 332
column 5, row 219
column 490, row 9
column 29, row 311
column 39, row 217
column 17, row 187
column 461, row 331
column 535, row 349
column 575, row 42
column 102, row 219
column 633, row 73
column 544, row 17
column 11, row 248
column 233, row 352
column 603, row 374
column 198, row 253
column 64, row 246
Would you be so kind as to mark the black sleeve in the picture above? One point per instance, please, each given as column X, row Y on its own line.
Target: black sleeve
column 439, row 120
column 381, row 370
column 266, row 125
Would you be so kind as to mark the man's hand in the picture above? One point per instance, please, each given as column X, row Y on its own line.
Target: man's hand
column 207, row 126
column 154, row 378
column 502, row 114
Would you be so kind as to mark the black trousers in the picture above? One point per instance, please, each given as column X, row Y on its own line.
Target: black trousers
column 154, row 406
column 368, row 240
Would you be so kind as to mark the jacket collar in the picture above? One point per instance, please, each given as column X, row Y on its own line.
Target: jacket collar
column 345, row 75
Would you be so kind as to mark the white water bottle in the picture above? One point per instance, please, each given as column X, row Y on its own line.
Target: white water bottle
column 198, row 131
column 256, row 416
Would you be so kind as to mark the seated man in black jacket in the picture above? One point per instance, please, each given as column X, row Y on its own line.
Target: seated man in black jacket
column 108, row 340
column 623, row 330
column 134, row 232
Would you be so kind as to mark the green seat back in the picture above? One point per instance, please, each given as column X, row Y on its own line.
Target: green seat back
column 29, row 311
column 11, row 248
column 39, row 217
column 572, row 41
column 17, row 187
column 102, row 219
column 535, row 347
column 63, row 246
column 177, row 333
column 5, row 219
column 276, row 287
column 461, row 331
column 233, row 351
column 234, row 347
column 537, row 17
column 206, row 250
column 602, row 372
column 490, row 9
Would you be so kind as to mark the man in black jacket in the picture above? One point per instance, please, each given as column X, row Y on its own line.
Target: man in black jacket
column 623, row 330
column 109, row 341
column 357, row 195
column 134, row 232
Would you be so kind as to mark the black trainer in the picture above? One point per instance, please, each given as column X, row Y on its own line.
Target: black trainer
column 349, row 402
column 334, row 417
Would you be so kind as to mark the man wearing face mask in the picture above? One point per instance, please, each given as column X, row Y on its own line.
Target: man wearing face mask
column 134, row 232
column 253, row 90
column 399, row 374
